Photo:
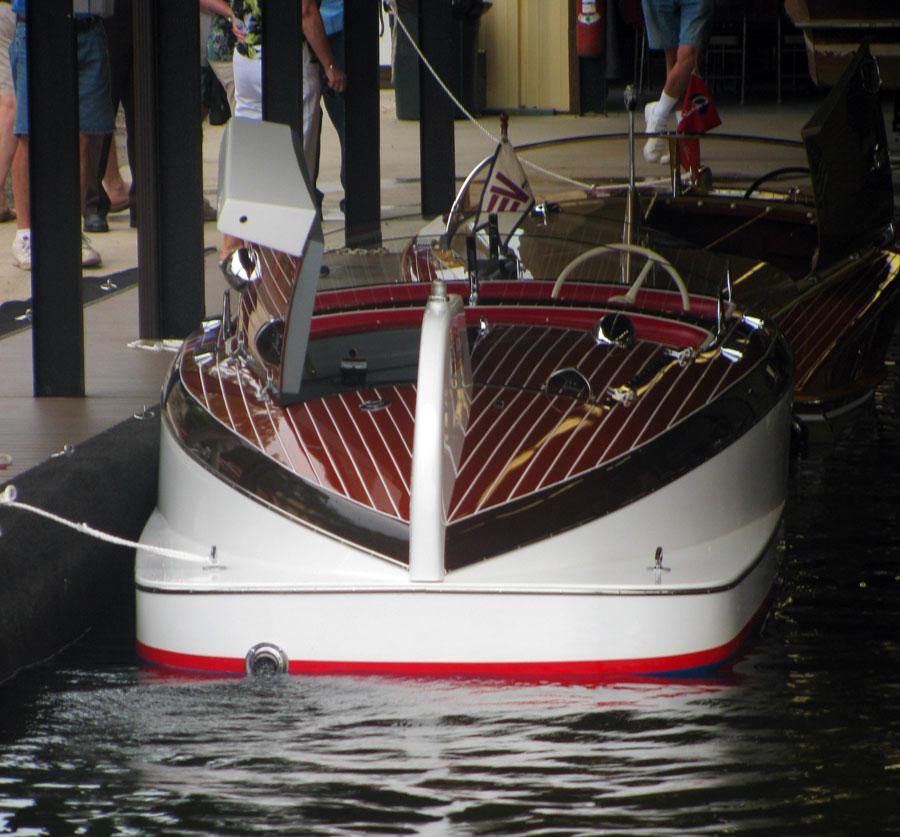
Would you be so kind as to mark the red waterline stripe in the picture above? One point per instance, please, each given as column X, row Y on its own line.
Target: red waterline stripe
column 575, row 669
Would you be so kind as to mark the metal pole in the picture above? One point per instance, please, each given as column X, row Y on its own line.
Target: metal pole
column 54, row 179
column 282, row 64
column 362, row 140
column 437, row 153
column 169, row 167
column 632, row 201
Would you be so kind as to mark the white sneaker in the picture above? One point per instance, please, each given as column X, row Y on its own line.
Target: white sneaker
column 655, row 147
column 89, row 256
column 21, row 250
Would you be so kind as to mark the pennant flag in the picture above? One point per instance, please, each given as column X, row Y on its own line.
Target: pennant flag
column 507, row 192
column 698, row 111
column 698, row 115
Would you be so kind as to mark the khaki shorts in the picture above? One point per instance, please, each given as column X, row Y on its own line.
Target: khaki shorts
column 7, row 32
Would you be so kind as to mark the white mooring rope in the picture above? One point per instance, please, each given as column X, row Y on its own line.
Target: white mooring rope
column 8, row 498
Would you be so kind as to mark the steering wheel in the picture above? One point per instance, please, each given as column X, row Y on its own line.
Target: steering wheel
column 769, row 175
column 651, row 256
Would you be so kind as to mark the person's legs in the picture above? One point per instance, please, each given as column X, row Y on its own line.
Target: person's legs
column 334, row 106
column 671, row 54
column 679, row 73
column 94, row 202
column 113, row 182
column 7, row 106
column 312, row 111
column 21, row 247
column 681, row 59
column 247, row 86
column 661, row 18
column 247, row 104
column 21, row 192
column 680, row 30
column 662, row 23
column 224, row 72
column 7, row 149
column 89, row 147
column 120, row 47
column 95, row 115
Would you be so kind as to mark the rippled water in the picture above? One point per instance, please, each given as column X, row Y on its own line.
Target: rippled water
column 800, row 735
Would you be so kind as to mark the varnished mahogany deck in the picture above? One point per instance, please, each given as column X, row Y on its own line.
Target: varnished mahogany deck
column 521, row 438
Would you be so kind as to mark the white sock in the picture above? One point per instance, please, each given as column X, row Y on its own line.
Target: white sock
column 663, row 108
column 20, row 234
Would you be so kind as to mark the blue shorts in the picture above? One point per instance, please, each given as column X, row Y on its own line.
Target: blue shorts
column 95, row 113
column 673, row 22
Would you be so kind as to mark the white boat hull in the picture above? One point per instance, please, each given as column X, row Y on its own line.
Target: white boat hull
column 584, row 602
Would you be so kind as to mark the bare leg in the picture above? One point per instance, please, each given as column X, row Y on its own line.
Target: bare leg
column 7, row 142
column 20, row 184
column 115, row 186
column 671, row 54
column 679, row 67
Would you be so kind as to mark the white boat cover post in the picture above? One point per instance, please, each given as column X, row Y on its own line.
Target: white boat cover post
column 443, row 399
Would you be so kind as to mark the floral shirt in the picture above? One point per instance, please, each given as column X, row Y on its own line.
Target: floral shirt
column 249, row 13
column 221, row 40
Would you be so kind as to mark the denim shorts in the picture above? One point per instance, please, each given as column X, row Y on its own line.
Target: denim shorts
column 673, row 22
column 95, row 113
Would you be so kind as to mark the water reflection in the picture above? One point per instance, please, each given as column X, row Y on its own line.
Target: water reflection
column 125, row 749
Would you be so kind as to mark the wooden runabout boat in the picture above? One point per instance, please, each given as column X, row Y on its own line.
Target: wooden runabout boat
column 459, row 478
column 811, row 245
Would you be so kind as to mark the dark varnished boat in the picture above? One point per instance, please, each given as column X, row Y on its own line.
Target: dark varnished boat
column 810, row 245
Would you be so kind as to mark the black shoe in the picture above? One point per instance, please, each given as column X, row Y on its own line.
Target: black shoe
column 95, row 224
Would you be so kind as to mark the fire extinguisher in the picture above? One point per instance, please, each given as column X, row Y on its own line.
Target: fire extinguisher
column 589, row 34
